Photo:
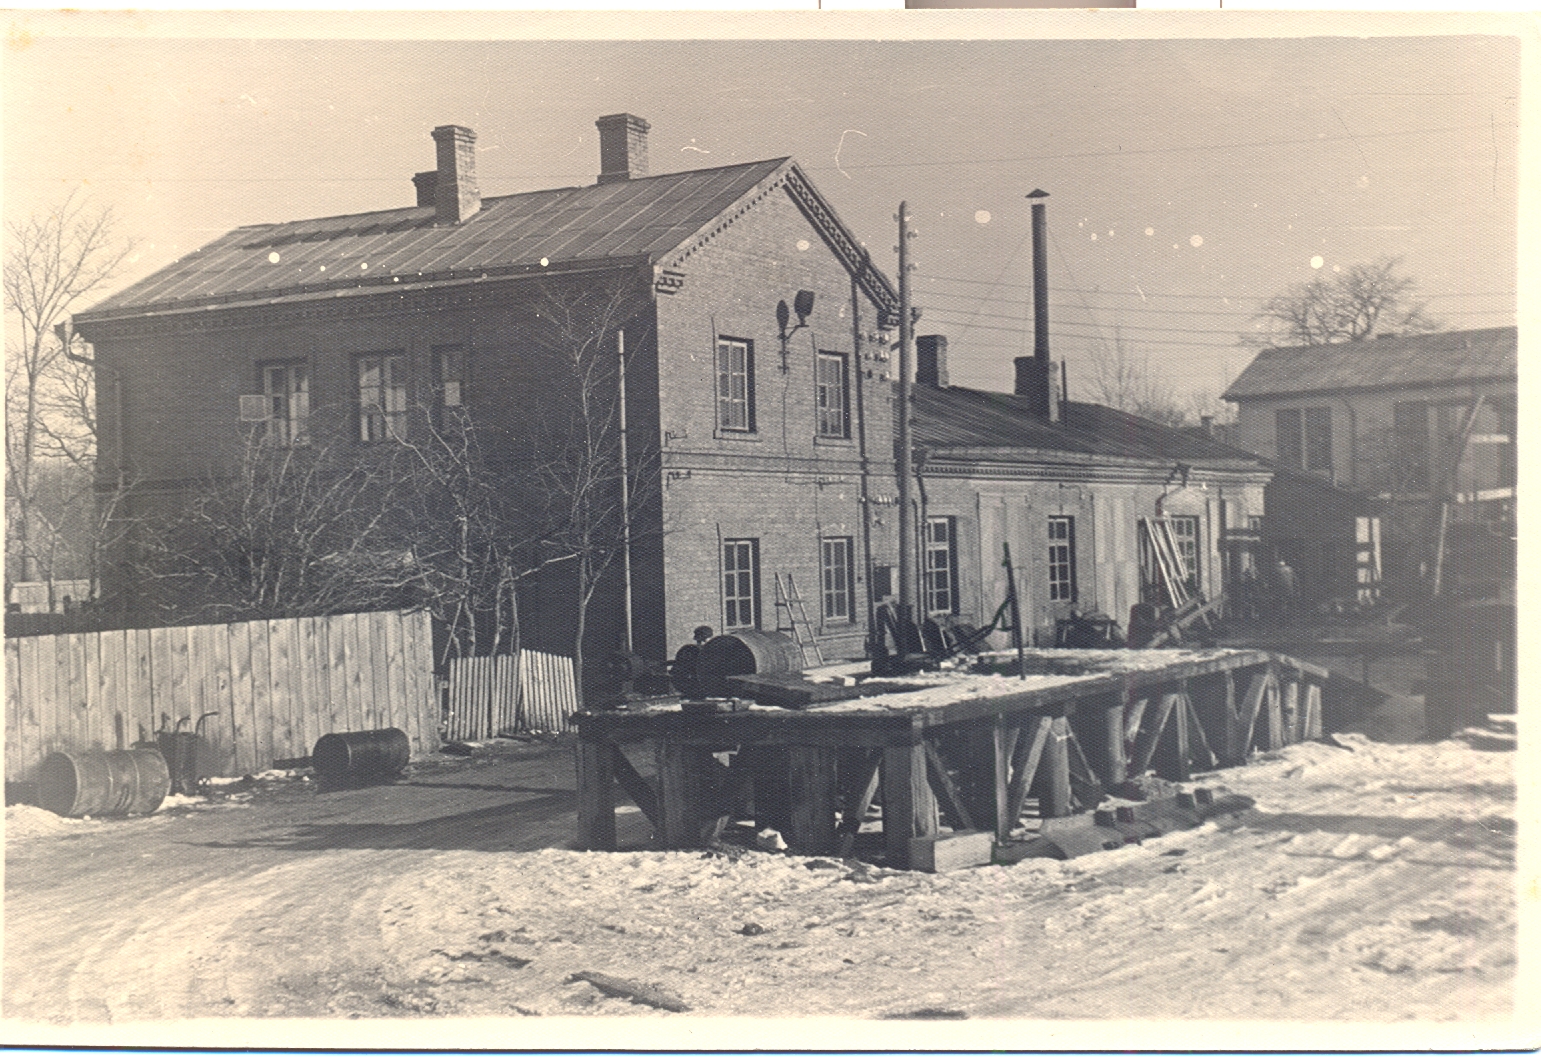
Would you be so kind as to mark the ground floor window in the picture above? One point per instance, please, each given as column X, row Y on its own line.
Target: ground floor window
column 1062, row 559
column 1185, row 532
column 839, row 578
column 941, row 565
column 741, row 583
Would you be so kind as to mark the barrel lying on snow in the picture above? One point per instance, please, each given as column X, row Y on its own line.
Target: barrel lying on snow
column 358, row 758
column 119, row 782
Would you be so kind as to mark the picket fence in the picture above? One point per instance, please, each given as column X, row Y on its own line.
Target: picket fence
column 259, row 691
column 531, row 691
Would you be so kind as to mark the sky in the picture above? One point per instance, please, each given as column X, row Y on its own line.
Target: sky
column 1188, row 179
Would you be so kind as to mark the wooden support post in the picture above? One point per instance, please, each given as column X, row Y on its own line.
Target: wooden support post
column 1053, row 783
column 1292, row 722
column 682, row 786
column 814, row 790
column 1183, row 770
column 1251, row 706
column 1275, row 715
column 768, row 766
column 909, row 809
column 1235, row 749
column 1150, row 737
column 1005, row 743
column 1134, row 716
column 636, row 787
column 855, row 809
column 1313, row 711
column 1198, row 732
column 596, row 795
column 1115, row 763
column 942, row 782
column 1025, row 760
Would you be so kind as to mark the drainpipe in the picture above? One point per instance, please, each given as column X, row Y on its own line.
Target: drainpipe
column 620, row 349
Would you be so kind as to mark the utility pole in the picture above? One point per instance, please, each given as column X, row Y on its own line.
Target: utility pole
column 906, row 515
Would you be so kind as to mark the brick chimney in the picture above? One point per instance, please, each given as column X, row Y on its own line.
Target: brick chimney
column 931, row 360
column 456, row 196
column 427, row 185
column 622, row 147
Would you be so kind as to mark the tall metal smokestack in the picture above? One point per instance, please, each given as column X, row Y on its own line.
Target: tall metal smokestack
column 1035, row 374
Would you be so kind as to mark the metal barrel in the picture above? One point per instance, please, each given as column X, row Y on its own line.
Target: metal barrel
column 119, row 782
column 743, row 653
column 356, row 757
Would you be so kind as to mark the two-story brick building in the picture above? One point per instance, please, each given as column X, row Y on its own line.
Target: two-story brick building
column 755, row 369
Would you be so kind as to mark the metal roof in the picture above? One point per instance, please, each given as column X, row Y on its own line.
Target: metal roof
column 961, row 418
column 626, row 220
column 1420, row 360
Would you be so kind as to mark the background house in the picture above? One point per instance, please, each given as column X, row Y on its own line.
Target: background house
column 1386, row 417
column 726, row 318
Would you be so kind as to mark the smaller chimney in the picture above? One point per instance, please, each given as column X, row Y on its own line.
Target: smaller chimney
column 622, row 147
column 456, row 196
column 427, row 185
column 1035, row 381
column 931, row 360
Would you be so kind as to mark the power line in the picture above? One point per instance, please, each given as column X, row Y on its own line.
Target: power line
column 1207, row 297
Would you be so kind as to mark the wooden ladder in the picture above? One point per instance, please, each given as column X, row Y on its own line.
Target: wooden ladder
column 797, row 622
column 1172, row 571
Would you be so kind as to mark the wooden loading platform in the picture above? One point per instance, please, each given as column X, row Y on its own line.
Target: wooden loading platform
column 962, row 750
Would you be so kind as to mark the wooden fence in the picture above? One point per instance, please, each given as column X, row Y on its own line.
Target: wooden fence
column 530, row 691
column 273, row 687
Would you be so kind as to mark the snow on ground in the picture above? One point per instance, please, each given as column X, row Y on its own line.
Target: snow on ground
column 1372, row 882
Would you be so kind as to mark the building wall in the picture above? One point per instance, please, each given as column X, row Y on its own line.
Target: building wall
column 780, row 483
column 993, row 511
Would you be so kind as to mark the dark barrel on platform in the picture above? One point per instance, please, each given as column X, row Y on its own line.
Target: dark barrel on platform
column 119, row 782
column 744, row 653
column 353, row 758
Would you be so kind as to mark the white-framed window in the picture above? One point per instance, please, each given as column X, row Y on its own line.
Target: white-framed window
column 1185, row 532
column 839, row 577
column 832, row 394
column 1062, row 573
column 286, row 400
column 382, row 397
column 1303, row 438
column 941, row 565
column 741, row 583
column 735, row 385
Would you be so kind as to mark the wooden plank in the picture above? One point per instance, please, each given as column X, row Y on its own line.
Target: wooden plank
column 418, row 629
column 1274, row 706
column 335, row 718
column 595, row 762
column 909, row 808
column 141, row 684
column 1196, row 729
column 281, row 652
column 815, row 794
column 936, row 770
column 1313, row 728
column 1292, row 723
column 238, row 757
column 111, row 679
column 1251, row 706
column 259, row 741
column 946, row 852
column 15, row 724
column 641, row 792
column 1004, row 743
column 1025, row 761
column 855, row 810
column 1150, row 736
column 1053, row 782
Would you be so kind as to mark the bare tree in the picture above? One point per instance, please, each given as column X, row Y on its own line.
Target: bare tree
column 1346, row 307
column 1122, row 378
column 52, row 260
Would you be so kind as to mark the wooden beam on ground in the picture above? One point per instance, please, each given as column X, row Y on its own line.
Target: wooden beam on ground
column 942, row 783
column 909, row 807
column 814, row 789
column 1025, row 763
column 637, row 788
column 596, row 795
column 855, row 809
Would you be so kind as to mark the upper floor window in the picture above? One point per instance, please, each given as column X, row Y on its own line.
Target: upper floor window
column 382, row 397
column 741, row 583
column 449, row 373
column 941, row 565
column 735, row 384
column 286, row 403
column 1303, row 438
column 832, row 394
column 1062, row 559
column 839, row 577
